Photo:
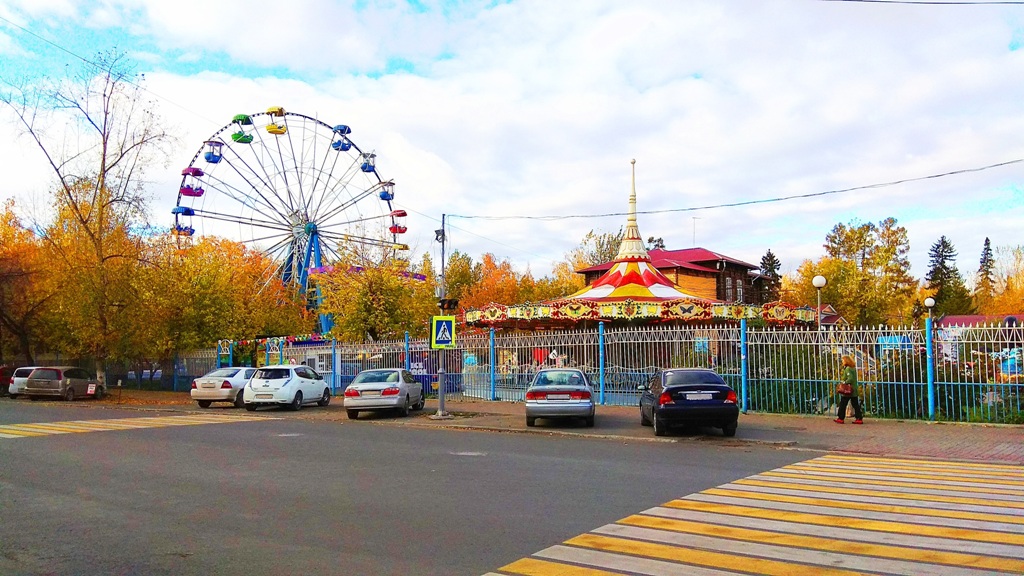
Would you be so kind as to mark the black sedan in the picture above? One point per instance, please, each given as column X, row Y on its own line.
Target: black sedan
column 688, row 397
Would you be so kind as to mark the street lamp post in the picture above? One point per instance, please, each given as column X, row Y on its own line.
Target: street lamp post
column 819, row 282
column 929, row 303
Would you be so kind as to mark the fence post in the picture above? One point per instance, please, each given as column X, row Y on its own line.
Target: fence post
column 334, row 366
column 600, row 358
column 231, row 353
column 929, row 346
column 494, row 379
column 408, row 359
column 744, row 366
column 218, row 354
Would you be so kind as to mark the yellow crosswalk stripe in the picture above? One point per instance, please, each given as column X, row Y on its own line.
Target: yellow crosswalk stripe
column 832, row 515
column 892, row 509
column 36, row 429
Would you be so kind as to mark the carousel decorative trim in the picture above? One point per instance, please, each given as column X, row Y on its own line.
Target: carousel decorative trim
column 684, row 310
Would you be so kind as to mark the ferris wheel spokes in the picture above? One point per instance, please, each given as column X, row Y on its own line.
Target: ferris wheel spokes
column 247, row 179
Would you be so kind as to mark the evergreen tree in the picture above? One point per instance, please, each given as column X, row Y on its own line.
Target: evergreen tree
column 770, row 266
column 951, row 295
column 984, row 287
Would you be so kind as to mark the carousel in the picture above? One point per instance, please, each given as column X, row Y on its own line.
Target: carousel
column 632, row 291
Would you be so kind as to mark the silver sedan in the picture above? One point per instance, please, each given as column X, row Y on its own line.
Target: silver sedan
column 560, row 393
column 384, row 389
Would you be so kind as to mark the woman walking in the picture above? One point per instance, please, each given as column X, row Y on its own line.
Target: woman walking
column 847, row 390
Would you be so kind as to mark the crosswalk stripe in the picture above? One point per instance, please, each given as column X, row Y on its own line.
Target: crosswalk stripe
column 860, row 509
column 849, row 555
column 951, row 479
column 937, row 464
column 35, row 429
column 860, row 524
column 829, row 515
column 846, row 480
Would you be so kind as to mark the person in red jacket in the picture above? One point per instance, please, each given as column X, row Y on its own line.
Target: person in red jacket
column 848, row 391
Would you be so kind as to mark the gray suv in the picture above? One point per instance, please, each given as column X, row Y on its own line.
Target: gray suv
column 67, row 382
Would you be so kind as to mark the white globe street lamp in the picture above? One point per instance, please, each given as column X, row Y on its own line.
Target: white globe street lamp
column 819, row 282
column 929, row 303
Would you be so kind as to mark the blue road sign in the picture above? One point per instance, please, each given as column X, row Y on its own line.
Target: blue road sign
column 442, row 332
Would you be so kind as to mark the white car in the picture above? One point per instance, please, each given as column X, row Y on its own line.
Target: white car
column 18, row 378
column 221, row 385
column 384, row 389
column 289, row 385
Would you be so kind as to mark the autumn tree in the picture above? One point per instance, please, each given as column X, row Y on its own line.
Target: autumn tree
column 26, row 288
column 868, row 273
column 499, row 284
column 110, row 137
column 595, row 248
column 1009, row 281
column 655, row 243
column 460, row 274
column 770, row 266
column 984, row 283
column 944, row 279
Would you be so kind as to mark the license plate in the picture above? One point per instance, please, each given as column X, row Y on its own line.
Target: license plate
column 371, row 393
column 264, row 396
column 208, row 385
column 92, row 389
column 558, row 396
column 698, row 396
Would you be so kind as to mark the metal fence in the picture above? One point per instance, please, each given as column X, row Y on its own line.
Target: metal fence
column 952, row 373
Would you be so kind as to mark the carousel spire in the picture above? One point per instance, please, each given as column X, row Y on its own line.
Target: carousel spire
column 632, row 248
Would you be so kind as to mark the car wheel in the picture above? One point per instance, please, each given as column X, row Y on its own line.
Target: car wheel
column 644, row 420
column 422, row 402
column 729, row 429
column 590, row 421
column 204, row 403
column 69, row 394
column 352, row 414
column 12, row 396
column 250, row 407
column 659, row 426
column 326, row 398
column 531, row 421
column 404, row 410
column 296, row 404
column 34, row 398
column 101, row 391
column 240, row 399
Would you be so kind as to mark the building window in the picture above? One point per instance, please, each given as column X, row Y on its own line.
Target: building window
column 728, row 289
column 739, row 292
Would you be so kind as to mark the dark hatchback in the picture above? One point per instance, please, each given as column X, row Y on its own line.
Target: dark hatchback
column 690, row 397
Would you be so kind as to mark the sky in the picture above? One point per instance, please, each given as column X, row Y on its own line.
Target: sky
column 483, row 110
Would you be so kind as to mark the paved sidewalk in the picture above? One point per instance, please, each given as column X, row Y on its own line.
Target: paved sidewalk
column 996, row 443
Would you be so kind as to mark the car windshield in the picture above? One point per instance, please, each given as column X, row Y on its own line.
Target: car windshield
column 23, row 372
column 692, row 377
column 46, row 374
column 223, row 373
column 559, row 378
column 272, row 374
column 374, row 376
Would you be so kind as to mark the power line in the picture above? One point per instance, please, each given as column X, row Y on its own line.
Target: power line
column 748, row 202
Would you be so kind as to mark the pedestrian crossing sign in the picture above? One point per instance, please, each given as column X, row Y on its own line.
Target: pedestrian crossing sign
column 442, row 332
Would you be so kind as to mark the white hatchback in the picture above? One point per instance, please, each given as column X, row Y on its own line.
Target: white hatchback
column 221, row 385
column 18, row 381
column 291, row 385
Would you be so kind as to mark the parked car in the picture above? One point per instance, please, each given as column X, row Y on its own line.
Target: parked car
column 16, row 386
column 384, row 389
column 292, row 385
column 67, row 382
column 6, row 374
column 688, row 397
column 560, row 393
column 221, row 385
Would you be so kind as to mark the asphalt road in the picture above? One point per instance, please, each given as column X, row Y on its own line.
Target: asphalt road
column 299, row 496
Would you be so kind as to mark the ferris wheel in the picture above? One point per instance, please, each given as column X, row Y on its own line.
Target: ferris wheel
column 292, row 186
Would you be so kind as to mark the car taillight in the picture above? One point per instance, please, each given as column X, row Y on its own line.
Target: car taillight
column 225, row 385
column 535, row 395
column 665, row 398
column 730, row 398
column 393, row 391
column 351, row 393
column 194, row 385
column 584, row 395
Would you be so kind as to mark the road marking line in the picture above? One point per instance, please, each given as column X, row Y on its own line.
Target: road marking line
column 953, row 479
column 534, row 567
column 896, row 491
column 629, row 564
column 894, row 483
column 81, row 426
column 942, row 465
column 857, row 509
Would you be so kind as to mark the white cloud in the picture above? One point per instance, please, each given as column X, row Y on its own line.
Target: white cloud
column 536, row 109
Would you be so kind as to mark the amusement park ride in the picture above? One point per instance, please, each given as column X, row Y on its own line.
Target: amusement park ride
column 297, row 188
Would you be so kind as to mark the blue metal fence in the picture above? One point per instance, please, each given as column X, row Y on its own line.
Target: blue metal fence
column 948, row 373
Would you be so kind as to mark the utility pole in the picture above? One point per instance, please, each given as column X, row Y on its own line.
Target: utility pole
column 444, row 305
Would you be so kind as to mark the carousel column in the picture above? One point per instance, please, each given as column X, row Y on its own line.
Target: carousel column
column 744, row 367
column 600, row 359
